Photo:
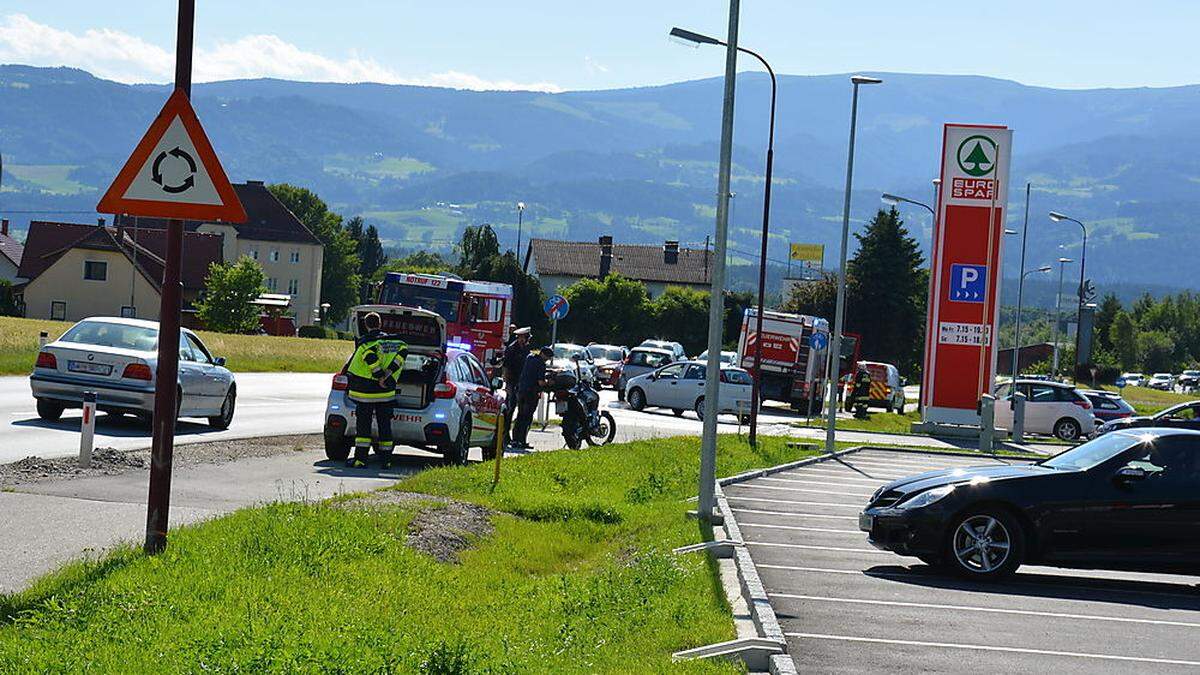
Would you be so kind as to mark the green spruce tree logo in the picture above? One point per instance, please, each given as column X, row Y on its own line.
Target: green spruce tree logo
column 977, row 156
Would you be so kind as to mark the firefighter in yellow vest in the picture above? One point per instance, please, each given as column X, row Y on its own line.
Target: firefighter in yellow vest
column 372, row 379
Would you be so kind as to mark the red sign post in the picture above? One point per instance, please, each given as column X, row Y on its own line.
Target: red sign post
column 964, row 287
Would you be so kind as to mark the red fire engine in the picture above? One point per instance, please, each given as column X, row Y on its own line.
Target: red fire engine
column 477, row 313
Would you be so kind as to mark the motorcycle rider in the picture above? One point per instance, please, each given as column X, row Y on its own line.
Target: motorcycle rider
column 372, row 386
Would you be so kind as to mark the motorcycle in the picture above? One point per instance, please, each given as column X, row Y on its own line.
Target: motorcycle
column 578, row 404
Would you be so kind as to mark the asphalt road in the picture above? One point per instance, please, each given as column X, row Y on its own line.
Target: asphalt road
column 847, row 607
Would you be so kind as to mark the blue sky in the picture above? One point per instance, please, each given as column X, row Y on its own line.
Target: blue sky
column 555, row 45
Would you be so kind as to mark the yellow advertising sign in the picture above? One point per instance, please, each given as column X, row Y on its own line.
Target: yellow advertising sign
column 809, row 252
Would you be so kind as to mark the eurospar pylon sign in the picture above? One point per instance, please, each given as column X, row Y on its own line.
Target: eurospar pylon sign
column 964, row 287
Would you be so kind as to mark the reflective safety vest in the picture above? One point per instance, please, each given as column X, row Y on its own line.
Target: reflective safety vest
column 375, row 356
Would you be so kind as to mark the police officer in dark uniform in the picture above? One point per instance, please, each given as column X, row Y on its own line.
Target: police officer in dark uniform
column 515, row 354
column 529, row 390
column 372, row 386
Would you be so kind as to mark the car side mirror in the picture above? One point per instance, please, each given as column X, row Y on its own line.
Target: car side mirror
column 219, row 361
column 1130, row 474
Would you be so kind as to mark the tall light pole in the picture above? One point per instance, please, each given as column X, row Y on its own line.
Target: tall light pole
column 520, row 214
column 835, row 344
column 716, row 302
column 1017, row 337
column 1062, row 264
column 1021, row 284
column 756, row 388
column 896, row 200
column 1058, row 218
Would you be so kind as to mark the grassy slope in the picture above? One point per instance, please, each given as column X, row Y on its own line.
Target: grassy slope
column 1148, row 401
column 244, row 353
column 578, row 577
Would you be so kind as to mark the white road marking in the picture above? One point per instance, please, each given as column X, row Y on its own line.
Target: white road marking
column 991, row 610
column 756, row 486
column 856, row 506
column 818, row 483
column 810, row 547
column 793, row 568
column 993, row 648
column 793, row 513
column 801, row 528
column 847, row 472
column 826, row 480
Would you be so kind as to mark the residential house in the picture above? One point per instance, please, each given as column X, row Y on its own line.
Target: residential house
column 558, row 264
column 10, row 254
column 71, row 271
column 290, row 254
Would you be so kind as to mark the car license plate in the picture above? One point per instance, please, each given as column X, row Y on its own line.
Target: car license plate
column 89, row 368
column 865, row 521
column 560, row 407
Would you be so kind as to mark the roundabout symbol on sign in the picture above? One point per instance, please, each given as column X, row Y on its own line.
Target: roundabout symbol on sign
column 156, row 171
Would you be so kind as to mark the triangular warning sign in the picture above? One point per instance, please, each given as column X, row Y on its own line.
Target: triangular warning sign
column 174, row 173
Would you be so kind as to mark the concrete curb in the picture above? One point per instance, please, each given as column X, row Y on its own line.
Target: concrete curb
column 755, row 595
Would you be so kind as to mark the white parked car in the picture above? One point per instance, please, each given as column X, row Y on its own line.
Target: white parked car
column 444, row 401
column 117, row 358
column 1162, row 381
column 680, row 387
column 1051, row 409
column 727, row 358
column 675, row 348
column 566, row 355
column 1134, row 379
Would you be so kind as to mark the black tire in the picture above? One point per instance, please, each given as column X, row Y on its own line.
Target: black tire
column 608, row 430
column 456, row 451
column 223, row 420
column 337, row 445
column 985, row 544
column 678, row 412
column 49, row 410
column 573, row 441
column 1067, row 429
column 637, row 399
column 699, row 408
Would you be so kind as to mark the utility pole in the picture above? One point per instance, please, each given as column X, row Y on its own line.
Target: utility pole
column 165, row 400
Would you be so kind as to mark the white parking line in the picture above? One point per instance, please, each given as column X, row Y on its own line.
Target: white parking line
column 812, row 547
column 992, row 648
column 793, row 568
column 898, row 466
column 826, row 480
column 819, row 483
column 793, row 513
column 856, row 505
column 758, row 486
column 989, row 610
column 801, row 528
column 847, row 472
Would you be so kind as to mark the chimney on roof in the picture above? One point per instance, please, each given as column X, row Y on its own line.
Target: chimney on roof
column 671, row 252
column 4, row 226
column 254, row 182
column 606, row 255
column 100, row 222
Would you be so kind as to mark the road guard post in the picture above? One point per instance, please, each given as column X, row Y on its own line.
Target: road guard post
column 173, row 173
column 1018, row 428
column 87, row 430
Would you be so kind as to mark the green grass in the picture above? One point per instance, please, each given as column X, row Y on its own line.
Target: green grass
column 376, row 167
column 577, row 577
column 243, row 353
column 881, row 422
column 50, row 178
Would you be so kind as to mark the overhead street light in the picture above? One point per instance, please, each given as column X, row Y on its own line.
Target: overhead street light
column 1058, row 218
column 896, row 200
column 520, row 214
column 833, row 374
column 756, row 387
column 1062, row 263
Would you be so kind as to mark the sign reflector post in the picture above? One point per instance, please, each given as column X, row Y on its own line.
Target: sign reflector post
column 87, row 431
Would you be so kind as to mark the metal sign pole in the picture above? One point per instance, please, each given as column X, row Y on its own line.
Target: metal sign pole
column 158, row 502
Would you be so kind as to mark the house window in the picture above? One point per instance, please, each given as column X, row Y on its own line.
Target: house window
column 274, row 255
column 254, row 253
column 272, row 284
column 58, row 310
column 295, row 258
column 294, row 287
column 128, row 312
column 95, row 270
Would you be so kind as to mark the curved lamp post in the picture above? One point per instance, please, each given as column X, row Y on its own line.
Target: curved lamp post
column 1058, row 218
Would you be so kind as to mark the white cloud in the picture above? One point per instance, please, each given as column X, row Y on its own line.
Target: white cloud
column 114, row 55
column 594, row 67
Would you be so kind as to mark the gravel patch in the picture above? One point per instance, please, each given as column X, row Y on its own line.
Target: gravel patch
column 110, row 462
column 441, row 528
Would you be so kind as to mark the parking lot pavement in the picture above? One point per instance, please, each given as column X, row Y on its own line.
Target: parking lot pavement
column 847, row 607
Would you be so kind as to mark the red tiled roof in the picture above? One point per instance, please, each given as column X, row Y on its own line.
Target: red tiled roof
column 47, row 242
column 267, row 219
column 643, row 262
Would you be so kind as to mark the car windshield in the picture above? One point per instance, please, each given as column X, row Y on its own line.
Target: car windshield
column 603, row 352
column 105, row 334
column 443, row 301
column 736, row 376
column 1092, row 453
column 651, row 359
column 568, row 351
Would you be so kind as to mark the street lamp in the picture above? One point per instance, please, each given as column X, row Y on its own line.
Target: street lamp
column 835, row 347
column 1062, row 264
column 1058, row 218
column 895, row 200
column 520, row 214
column 756, row 388
column 1017, row 335
column 1021, row 283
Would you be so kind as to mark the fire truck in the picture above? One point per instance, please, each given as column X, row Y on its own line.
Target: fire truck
column 793, row 362
column 477, row 313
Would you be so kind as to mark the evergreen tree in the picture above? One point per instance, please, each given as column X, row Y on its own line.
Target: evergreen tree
column 368, row 247
column 1105, row 315
column 887, row 299
column 339, row 270
column 1124, row 340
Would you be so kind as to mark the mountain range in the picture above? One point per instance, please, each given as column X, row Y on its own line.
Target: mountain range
column 640, row 164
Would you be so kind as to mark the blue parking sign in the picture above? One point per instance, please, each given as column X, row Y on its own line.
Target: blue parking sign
column 968, row 283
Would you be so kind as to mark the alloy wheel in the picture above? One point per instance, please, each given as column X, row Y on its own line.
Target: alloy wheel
column 982, row 544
